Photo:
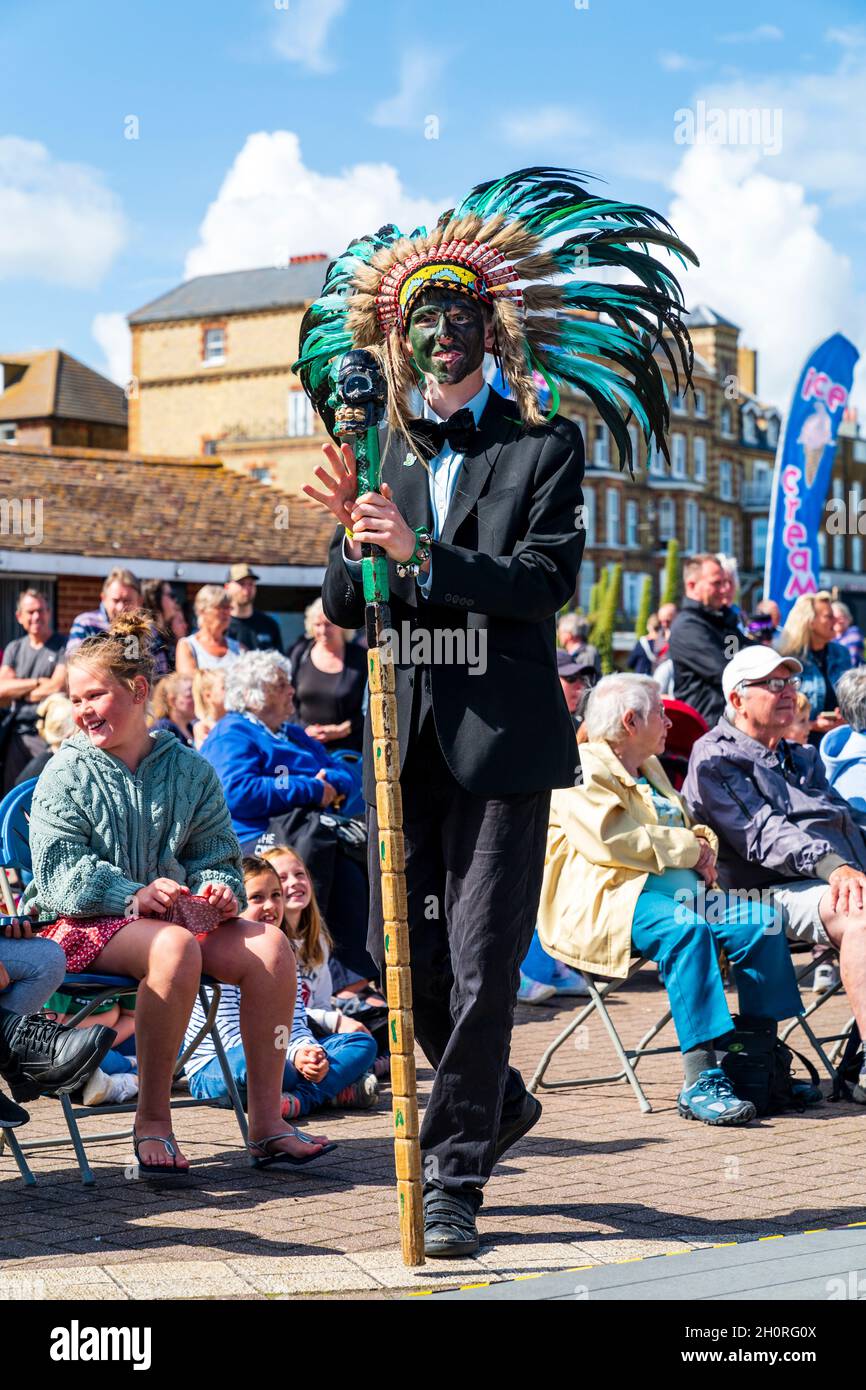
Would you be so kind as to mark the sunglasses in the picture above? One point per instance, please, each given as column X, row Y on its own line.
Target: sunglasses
column 776, row 684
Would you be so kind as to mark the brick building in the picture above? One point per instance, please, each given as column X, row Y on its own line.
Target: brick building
column 211, row 372
column 50, row 398
column 69, row 516
column 716, row 493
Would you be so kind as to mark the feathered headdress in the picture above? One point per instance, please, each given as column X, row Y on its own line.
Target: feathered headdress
column 519, row 245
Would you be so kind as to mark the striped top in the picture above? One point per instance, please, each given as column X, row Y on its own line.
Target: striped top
column 228, row 1021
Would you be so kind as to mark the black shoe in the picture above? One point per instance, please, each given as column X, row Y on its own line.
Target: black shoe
column 11, row 1115
column 510, row 1130
column 52, row 1057
column 449, row 1225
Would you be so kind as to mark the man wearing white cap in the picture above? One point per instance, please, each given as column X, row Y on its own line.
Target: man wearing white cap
column 780, row 825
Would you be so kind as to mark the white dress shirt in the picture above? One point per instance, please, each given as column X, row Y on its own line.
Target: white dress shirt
column 443, row 475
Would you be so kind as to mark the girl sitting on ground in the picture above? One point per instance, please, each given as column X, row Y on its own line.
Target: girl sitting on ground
column 125, row 823
column 328, row 1008
column 334, row 1070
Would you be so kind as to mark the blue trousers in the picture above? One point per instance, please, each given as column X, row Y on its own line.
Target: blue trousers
column 685, row 945
column 36, row 966
column 349, row 1055
column 538, row 965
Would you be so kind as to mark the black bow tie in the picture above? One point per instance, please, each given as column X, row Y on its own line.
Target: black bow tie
column 459, row 430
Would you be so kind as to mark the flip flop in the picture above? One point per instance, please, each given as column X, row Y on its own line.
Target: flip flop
column 266, row 1159
column 169, row 1172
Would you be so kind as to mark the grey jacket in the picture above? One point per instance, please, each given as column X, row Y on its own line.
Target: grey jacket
column 775, row 819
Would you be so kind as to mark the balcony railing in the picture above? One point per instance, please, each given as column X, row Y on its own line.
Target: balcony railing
column 758, row 494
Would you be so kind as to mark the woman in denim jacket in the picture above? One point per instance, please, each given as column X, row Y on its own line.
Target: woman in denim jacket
column 808, row 635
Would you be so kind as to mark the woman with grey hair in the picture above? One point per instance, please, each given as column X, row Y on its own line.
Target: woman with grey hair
column 209, row 645
column 626, row 874
column 843, row 750
column 329, row 673
column 277, row 781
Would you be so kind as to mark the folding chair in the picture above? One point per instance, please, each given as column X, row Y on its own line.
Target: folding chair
column 15, row 854
column 629, row 1057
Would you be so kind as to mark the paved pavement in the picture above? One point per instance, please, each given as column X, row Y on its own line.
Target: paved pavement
column 596, row 1183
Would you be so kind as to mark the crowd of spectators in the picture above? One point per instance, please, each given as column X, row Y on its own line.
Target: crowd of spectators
column 768, row 815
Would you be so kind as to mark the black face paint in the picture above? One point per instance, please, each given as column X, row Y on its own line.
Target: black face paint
column 446, row 335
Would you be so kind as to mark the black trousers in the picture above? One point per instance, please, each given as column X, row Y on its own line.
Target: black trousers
column 473, row 876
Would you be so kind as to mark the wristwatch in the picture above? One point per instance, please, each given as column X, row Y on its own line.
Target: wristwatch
column 412, row 566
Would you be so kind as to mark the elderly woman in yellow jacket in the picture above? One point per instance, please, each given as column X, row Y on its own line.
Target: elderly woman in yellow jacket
column 627, row 873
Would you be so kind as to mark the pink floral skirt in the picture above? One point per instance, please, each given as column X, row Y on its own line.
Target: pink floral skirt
column 82, row 938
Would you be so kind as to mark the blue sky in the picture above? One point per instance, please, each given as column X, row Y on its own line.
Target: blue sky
column 267, row 128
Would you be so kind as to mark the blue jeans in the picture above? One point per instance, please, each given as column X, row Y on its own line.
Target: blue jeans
column 36, row 966
column 349, row 1055
column 685, row 945
column 538, row 965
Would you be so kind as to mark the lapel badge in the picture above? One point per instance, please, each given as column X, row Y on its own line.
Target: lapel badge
column 409, row 460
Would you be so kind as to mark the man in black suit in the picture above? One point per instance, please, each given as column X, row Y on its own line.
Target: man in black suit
column 482, row 740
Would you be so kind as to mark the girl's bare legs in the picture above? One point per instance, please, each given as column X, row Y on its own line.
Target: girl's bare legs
column 167, row 960
column 257, row 957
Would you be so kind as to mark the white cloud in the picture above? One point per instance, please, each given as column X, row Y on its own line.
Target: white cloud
column 111, row 332
column 58, row 222
column 302, row 29
column 540, row 126
column 419, row 70
column 679, row 62
column 764, row 263
column 271, row 206
column 760, row 34
column 823, row 124
column 852, row 37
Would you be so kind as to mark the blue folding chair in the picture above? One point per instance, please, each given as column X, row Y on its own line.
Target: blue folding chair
column 15, row 854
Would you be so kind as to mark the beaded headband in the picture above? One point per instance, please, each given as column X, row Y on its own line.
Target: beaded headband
column 466, row 266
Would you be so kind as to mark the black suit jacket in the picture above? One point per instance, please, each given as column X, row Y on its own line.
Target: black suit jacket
column 506, row 563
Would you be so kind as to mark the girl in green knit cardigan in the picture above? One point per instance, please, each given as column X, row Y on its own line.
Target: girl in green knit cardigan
column 124, row 822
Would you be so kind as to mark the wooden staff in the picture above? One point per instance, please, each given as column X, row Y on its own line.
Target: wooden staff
column 359, row 421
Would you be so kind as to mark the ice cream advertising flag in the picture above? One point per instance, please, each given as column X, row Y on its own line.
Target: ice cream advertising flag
column 804, row 465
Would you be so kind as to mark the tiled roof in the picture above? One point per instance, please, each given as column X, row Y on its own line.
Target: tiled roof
column 104, row 503
column 237, row 292
column 55, row 385
column 702, row 316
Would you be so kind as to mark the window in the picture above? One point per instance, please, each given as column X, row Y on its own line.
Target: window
column 214, row 345
column 8, row 434
column 692, row 537
column 656, row 458
column 678, row 405
column 838, row 552
column 773, row 431
column 667, row 519
column 726, row 535
column 600, row 447
column 853, row 522
column 857, row 554
column 612, row 528
column 589, row 516
column 300, row 420
column 634, row 436
column 726, row 486
column 587, row 579
column 700, row 402
column 678, row 455
column 261, row 475
column 699, row 450
column 759, row 541
column 702, row 530
column 632, row 589
column 631, row 520
column 822, row 548
column 727, row 426
column 750, row 433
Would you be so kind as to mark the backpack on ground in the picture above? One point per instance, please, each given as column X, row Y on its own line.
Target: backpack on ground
column 759, row 1066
